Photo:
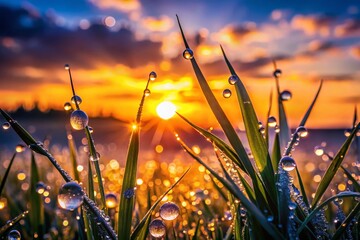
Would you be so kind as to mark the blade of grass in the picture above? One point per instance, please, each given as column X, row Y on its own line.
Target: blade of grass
column 332, row 169
column 36, row 205
column 356, row 185
column 267, row 120
column 302, row 188
column 276, row 152
column 141, row 229
column 236, row 192
column 196, row 230
column 256, row 141
column 3, row 180
column 129, row 182
column 307, row 114
column 73, row 157
column 9, row 224
column 346, row 222
column 320, row 206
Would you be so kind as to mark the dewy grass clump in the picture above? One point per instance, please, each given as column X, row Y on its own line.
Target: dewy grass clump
column 244, row 194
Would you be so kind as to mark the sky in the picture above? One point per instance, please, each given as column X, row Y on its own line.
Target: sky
column 113, row 45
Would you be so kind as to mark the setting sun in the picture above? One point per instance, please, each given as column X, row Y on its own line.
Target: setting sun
column 166, row 110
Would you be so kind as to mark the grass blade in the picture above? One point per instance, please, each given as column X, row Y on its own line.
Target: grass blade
column 141, row 229
column 267, row 120
column 36, row 205
column 307, row 114
column 302, row 188
column 3, row 180
column 346, row 222
column 236, row 192
column 320, row 206
column 9, row 224
column 73, row 157
column 356, row 185
column 257, row 143
column 276, row 152
column 196, row 230
column 334, row 166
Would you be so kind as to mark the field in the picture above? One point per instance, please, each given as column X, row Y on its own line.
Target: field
column 226, row 184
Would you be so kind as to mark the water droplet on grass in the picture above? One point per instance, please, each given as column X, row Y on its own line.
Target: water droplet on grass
column 226, row 93
column 91, row 130
column 71, row 196
column 67, row 106
column 79, row 119
column 233, row 79
column 188, row 54
column 347, row 132
column 14, row 235
column 20, row 148
column 285, row 95
column 169, row 211
column 77, row 99
column 287, row 163
column 40, row 187
column 228, row 215
column 129, row 193
column 302, row 131
column 95, row 158
column 277, row 73
column 67, row 66
column 6, row 125
column 147, row 92
column 157, row 228
column 272, row 121
column 152, row 76
column 111, row 200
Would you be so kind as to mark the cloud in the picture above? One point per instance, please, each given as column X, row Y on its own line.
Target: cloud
column 350, row 27
column 121, row 5
column 313, row 24
column 161, row 24
column 355, row 51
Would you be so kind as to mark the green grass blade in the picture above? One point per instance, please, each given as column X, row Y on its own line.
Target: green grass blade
column 196, row 230
column 256, row 141
column 3, row 180
column 334, row 166
column 236, row 192
column 36, row 204
column 302, row 188
column 320, row 206
column 9, row 224
column 307, row 114
column 267, row 120
column 141, row 229
column 346, row 222
column 276, row 152
column 220, row 191
column 356, row 185
column 73, row 157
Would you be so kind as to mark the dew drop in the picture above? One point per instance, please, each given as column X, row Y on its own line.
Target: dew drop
column 157, row 228
column 6, row 125
column 277, row 73
column 347, row 132
column 272, row 121
column 319, row 150
column 79, row 120
column 260, row 124
column 71, row 196
column 91, row 130
column 152, row 76
column 277, row 129
column 287, row 163
column 339, row 200
column 262, row 130
column 233, row 79
column 292, row 206
column 147, row 92
column 111, row 200
column 188, row 54
column 94, row 158
column 169, row 211
column 285, row 95
column 40, row 187
column 129, row 193
column 20, row 148
column 67, row 106
column 302, row 131
column 270, row 218
column 228, row 215
column 67, row 66
column 226, row 93
column 77, row 99
column 14, row 235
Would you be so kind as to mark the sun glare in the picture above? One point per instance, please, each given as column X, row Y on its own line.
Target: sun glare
column 166, row 110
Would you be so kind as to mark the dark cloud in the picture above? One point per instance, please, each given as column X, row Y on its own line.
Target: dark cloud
column 350, row 28
column 31, row 40
column 318, row 47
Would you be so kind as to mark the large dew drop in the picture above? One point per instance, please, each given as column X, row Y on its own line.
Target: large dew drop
column 14, row 235
column 79, row 120
column 169, row 211
column 67, row 106
column 277, row 73
column 233, row 79
column 157, row 228
column 147, row 92
column 226, row 93
column 188, row 54
column 285, row 95
column 76, row 99
column 272, row 121
column 71, row 196
column 301, row 131
column 111, row 200
column 287, row 163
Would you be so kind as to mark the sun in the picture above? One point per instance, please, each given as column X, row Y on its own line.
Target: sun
column 166, row 110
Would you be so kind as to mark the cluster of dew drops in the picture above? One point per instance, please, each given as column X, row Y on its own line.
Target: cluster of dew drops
column 169, row 211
